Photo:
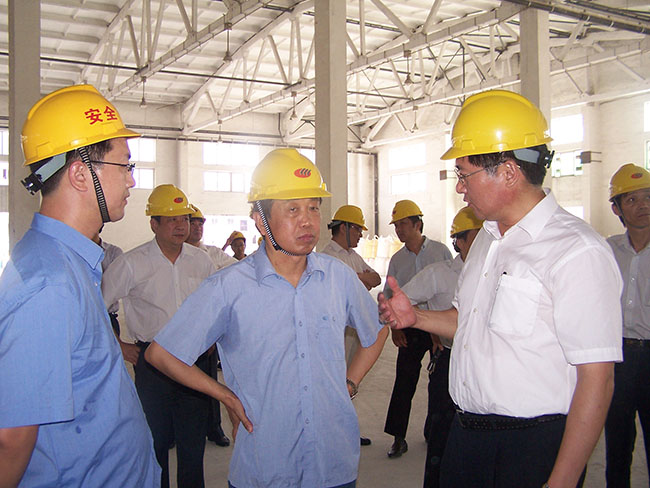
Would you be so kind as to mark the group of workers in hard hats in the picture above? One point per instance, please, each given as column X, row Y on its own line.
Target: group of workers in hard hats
column 524, row 328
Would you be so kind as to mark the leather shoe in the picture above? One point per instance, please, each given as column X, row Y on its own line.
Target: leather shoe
column 398, row 448
column 219, row 438
column 365, row 441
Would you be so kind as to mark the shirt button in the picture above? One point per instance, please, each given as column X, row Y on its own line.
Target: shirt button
column 629, row 302
column 465, row 383
column 465, row 347
column 300, row 323
column 485, row 275
column 305, row 388
column 306, row 421
column 475, row 310
column 302, row 355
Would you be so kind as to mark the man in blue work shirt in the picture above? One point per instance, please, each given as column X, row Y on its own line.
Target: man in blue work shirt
column 69, row 413
column 278, row 318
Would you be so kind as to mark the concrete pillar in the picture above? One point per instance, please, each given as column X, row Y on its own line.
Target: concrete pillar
column 24, row 91
column 331, row 105
column 535, row 67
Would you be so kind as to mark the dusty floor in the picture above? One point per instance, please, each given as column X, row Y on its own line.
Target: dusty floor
column 376, row 470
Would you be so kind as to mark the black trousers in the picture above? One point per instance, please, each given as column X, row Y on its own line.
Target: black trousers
column 518, row 458
column 441, row 414
column 407, row 373
column 631, row 395
column 174, row 412
column 214, row 418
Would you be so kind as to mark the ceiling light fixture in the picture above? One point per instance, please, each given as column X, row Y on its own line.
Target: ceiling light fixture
column 143, row 102
column 227, row 57
column 408, row 80
column 293, row 115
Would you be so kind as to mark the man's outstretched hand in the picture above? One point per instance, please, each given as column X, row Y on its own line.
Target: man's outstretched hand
column 396, row 312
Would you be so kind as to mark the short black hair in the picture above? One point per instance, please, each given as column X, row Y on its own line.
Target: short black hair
column 96, row 152
column 534, row 172
column 415, row 219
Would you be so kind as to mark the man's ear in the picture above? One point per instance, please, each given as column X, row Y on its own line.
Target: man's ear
column 79, row 176
column 154, row 224
column 258, row 223
column 511, row 172
column 616, row 210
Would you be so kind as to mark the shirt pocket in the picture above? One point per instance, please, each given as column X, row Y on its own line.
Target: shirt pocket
column 515, row 306
column 330, row 336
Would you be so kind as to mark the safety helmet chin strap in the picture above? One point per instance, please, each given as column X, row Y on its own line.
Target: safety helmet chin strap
column 267, row 228
column 347, row 234
column 99, row 193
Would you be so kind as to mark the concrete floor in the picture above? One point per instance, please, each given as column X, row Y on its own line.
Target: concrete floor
column 376, row 470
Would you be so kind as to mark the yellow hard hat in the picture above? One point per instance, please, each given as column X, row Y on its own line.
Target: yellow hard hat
column 495, row 121
column 629, row 177
column 464, row 220
column 168, row 201
column 237, row 235
column 196, row 213
column 68, row 119
column 352, row 214
column 285, row 174
column 403, row 209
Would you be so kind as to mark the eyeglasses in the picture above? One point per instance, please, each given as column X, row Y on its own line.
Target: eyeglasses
column 129, row 166
column 462, row 177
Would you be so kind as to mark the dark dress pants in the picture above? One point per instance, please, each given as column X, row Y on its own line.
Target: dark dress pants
column 407, row 373
column 214, row 418
column 441, row 415
column 174, row 412
column 631, row 395
column 518, row 458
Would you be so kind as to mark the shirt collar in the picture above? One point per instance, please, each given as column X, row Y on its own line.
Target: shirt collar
column 154, row 247
column 533, row 222
column 425, row 243
column 75, row 240
column 338, row 248
column 264, row 268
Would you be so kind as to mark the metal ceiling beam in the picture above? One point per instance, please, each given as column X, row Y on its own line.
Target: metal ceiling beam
column 117, row 20
column 190, row 108
column 557, row 67
column 589, row 14
column 447, row 31
column 237, row 14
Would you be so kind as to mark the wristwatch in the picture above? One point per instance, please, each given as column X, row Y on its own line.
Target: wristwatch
column 354, row 388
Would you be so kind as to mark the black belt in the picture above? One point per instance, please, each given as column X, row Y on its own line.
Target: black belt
column 474, row 421
column 628, row 341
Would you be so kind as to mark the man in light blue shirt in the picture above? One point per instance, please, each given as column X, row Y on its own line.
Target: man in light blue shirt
column 69, row 413
column 278, row 318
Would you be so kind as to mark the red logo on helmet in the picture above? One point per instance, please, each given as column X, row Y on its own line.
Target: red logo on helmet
column 636, row 176
column 178, row 200
column 302, row 173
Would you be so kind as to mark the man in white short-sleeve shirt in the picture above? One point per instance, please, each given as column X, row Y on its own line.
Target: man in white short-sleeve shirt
column 630, row 196
column 347, row 227
column 152, row 281
column 536, row 319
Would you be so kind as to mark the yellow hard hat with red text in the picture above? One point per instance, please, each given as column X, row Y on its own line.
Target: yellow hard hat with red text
column 285, row 174
column 67, row 119
column 628, row 178
column 168, row 201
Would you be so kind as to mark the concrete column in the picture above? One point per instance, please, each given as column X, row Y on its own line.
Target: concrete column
column 24, row 91
column 535, row 68
column 331, row 105
column 535, row 60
